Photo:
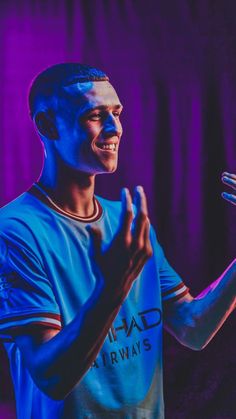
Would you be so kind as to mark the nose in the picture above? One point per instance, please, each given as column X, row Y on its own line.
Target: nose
column 112, row 126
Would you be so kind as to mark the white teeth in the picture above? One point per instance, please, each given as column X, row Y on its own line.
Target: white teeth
column 108, row 147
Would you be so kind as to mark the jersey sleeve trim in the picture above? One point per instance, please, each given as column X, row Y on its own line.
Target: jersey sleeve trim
column 49, row 319
column 175, row 293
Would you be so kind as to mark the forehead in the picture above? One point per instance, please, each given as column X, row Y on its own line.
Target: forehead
column 92, row 94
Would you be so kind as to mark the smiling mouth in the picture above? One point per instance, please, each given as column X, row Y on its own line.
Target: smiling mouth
column 107, row 147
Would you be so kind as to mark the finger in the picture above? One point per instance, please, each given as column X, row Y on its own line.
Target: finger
column 141, row 256
column 146, row 249
column 127, row 213
column 229, row 197
column 229, row 175
column 141, row 217
column 140, row 200
column 147, row 238
column 137, row 266
column 229, row 181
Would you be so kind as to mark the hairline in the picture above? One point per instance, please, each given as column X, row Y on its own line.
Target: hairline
column 49, row 83
column 58, row 91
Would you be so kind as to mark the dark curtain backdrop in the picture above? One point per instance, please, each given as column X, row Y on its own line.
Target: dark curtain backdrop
column 173, row 65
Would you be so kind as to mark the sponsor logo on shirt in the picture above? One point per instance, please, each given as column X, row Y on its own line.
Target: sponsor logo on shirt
column 144, row 320
column 141, row 322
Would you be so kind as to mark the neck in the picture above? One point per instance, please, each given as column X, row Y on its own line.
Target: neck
column 71, row 191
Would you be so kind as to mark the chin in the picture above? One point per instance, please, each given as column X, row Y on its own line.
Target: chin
column 107, row 168
column 106, row 171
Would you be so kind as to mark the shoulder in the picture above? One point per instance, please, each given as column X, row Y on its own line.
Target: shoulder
column 18, row 207
column 19, row 217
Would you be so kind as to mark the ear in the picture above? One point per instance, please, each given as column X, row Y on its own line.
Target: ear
column 46, row 125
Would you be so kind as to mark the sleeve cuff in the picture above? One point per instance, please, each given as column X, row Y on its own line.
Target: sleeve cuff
column 47, row 319
column 175, row 293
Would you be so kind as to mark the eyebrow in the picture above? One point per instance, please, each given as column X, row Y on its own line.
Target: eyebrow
column 85, row 111
column 103, row 107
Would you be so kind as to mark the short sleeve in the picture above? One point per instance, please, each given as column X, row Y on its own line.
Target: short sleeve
column 172, row 285
column 26, row 294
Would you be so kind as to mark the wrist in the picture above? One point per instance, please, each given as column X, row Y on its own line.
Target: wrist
column 105, row 297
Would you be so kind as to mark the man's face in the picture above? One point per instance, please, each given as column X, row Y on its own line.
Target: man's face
column 88, row 123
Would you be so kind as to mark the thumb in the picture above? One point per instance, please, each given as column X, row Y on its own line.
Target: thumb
column 96, row 236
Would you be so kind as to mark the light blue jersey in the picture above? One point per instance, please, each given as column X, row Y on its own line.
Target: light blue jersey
column 46, row 275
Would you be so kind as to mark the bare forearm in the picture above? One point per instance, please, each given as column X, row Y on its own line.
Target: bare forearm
column 198, row 320
column 212, row 307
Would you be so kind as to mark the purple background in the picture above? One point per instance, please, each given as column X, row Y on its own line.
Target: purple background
column 174, row 67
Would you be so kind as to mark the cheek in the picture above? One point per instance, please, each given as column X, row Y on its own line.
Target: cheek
column 94, row 130
column 80, row 143
column 87, row 132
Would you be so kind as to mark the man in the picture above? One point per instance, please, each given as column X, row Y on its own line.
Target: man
column 83, row 279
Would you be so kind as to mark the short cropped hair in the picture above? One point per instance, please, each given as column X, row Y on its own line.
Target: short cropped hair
column 48, row 82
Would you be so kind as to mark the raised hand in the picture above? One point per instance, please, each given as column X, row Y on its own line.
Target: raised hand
column 230, row 180
column 122, row 261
